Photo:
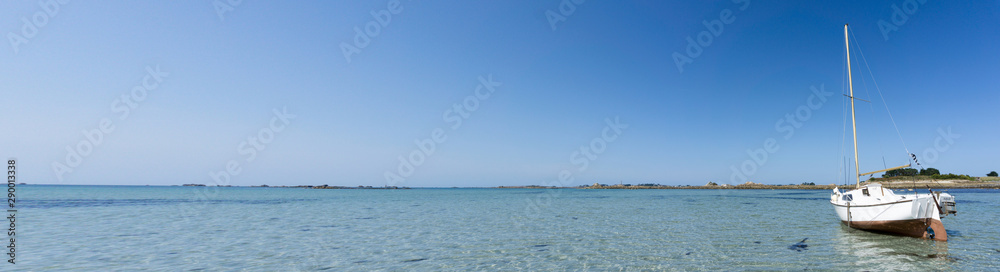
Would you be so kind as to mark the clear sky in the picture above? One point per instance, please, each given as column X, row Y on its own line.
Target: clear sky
column 200, row 78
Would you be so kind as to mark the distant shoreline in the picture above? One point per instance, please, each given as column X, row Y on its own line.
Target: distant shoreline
column 979, row 183
column 964, row 185
column 922, row 184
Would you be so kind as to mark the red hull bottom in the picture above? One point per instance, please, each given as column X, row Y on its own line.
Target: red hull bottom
column 912, row 228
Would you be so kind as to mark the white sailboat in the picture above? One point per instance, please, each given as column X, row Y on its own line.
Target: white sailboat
column 873, row 208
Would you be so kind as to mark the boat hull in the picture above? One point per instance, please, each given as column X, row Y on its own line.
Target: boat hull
column 912, row 227
column 909, row 216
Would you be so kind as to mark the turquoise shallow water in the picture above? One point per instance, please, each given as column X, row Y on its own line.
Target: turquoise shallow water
column 104, row 228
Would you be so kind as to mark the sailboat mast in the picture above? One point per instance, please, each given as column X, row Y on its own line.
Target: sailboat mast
column 854, row 125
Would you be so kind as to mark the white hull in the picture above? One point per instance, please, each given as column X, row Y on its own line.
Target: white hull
column 920, row 207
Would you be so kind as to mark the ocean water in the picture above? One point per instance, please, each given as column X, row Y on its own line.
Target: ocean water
column 111, row 228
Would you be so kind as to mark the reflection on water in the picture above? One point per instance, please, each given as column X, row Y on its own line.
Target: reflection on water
column 880, row 252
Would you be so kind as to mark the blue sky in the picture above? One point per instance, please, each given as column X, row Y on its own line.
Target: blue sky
column 223, row 77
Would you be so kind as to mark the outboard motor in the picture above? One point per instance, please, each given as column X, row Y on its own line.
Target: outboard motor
column 947, row 203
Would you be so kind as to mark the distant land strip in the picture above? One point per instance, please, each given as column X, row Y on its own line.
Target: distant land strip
column 979, row 183
column 921, row 184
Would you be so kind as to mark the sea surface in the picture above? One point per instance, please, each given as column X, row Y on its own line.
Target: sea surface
column 112, row 228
